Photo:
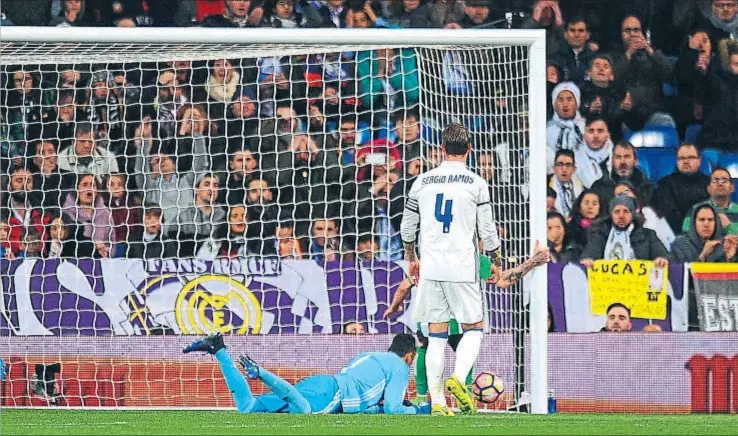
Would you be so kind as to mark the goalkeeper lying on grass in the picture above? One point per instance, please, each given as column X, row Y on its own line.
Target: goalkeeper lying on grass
column 372, row 382
column 541, row 255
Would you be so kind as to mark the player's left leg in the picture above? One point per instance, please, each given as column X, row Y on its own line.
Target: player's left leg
column 453, row 341
column 214, row 345
column 280, row 387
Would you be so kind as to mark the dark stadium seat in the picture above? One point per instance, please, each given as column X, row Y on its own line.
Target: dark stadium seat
column 656, row 162
column 711, row 158
column 654, row 136
column 692, row 133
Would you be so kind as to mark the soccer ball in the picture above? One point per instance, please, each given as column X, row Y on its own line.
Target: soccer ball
column 487, row 387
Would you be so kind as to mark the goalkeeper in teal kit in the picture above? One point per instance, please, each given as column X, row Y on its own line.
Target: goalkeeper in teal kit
column 372, row 382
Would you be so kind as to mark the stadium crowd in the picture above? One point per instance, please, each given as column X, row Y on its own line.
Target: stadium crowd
column 277, row 155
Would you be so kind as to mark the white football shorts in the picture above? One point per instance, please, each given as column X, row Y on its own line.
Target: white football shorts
column 441, row 301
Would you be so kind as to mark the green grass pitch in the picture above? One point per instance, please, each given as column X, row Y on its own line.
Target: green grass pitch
column 80, row 422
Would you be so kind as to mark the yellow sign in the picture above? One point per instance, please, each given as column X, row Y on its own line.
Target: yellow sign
column 634, row 283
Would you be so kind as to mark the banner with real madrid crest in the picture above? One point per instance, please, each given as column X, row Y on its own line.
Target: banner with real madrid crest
column 191, row 296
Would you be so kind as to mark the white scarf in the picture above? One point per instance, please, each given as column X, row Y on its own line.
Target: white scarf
column 589, row 162
column 618, row 244
column 222, row 92
column 566, row 194
column 566, row 134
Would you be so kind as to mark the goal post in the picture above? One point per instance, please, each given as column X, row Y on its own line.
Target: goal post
column 499, row 66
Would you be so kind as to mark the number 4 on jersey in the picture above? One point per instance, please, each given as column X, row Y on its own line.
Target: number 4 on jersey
column 443, row 212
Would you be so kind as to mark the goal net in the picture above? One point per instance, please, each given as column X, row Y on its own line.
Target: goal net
column 161, row 184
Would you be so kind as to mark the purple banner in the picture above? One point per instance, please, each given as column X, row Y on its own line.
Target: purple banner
column 255, row 296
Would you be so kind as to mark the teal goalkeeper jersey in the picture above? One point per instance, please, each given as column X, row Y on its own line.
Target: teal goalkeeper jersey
column 485, row 271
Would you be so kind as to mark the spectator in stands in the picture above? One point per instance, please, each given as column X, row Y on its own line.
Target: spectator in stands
column 221, row 86
column 682, row 189
column 718, row 83
column 51, row 182
column 602, row 96
column 288, row 246
column 168, row 101
column 103, row 109
column 32, row 245
column 198, row 222
column 566, row 129
column 125, row 209
column 242, row 116
column 407, row 129
column 396, row 68
column 695, row 56
column 547, row 15
column 647, row 216
column 237, row 13
column 586, row 211
column 325, row 244
column 263, row 210
column 62, row 129
column 567, row 185
column 410, row 14
column 243, row 168
column 22, row 209
column 73, row 13
column 326, row 13
column 172, row 191
column 85, row 157
column 560, row 242
column 229, row 239
column 595, row 155
column 85, row 207
column 705, row 241
column 307, row 176
column 354, row 328
column 413, row 168
column 68, row 240
column 624, row 169
column 550, row 200
column 5, row 252
column 621, row 237
column 367, row 247
column 445, row 13
column 720, row 191
column 281, row 14
column 720, row 23
column 643, row 70
column 576, row 53
column 478, row 13
column 376, row 206
column 199, row 147
column 151, row 243
column 618, row 318
column 367, row 15
column 22, row 102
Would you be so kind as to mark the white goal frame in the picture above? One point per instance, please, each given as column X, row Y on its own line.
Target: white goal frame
column 533, row 39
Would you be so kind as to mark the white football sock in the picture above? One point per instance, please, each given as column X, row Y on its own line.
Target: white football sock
column 434, row 362
column 466, row 353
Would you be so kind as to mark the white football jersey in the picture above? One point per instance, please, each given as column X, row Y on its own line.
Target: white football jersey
column 452, row 206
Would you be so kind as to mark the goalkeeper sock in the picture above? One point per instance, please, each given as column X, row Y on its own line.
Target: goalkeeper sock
column 236, row 382
column 467, row 353
column 284, row 390
column 434, row 360
column 421, row 377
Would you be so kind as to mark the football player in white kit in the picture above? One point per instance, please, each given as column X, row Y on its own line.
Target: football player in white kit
column 451, row 204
